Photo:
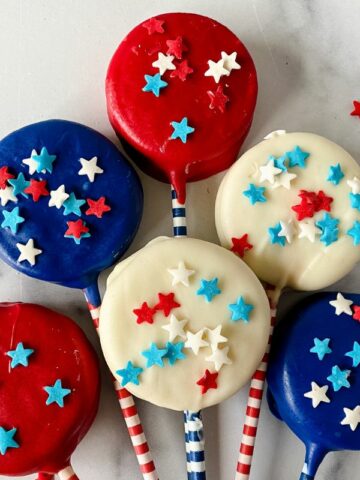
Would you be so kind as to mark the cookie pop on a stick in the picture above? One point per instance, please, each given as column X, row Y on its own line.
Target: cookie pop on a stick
column 70, row 207
column 290, row 207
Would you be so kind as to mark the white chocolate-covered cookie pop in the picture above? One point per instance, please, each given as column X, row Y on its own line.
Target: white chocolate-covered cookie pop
column 183, row 323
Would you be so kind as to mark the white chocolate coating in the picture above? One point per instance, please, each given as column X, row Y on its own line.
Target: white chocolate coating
column 300, row 264
column 145, row 274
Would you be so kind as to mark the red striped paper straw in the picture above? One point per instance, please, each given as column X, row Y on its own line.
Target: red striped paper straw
column 67, row 474
column 45, row 476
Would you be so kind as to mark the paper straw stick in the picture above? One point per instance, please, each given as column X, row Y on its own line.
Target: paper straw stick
column 253, row 406
column 67, row 474
column 45, row 476
column 178, row 215
column 187, row 448
column 126, row 401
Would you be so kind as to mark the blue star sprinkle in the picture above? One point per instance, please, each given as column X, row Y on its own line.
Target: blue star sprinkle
column 274, row 235
column 354, row 232
column 339, row 378
column 255, row 194
column 130, row 374
column 73, row 205
column 279, row 162
column 327, row 222
column 78, row 240
column 181, row 130
column 154, row 83
column 321, row 347
column 19, row 184
column 44, row 160
column 335, row 174
column 355, row 354
column 174, row 352
column 7, row 440
column 240, row 310
column 12, row 219
column 354, row 200
column 329, row 236
column 328, row 226
column 154, row 356
column 56, row 393
column 209, row 288
column 297, row 157
column 20, row 355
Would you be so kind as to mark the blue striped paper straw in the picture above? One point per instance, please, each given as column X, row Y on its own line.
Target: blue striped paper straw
column 187, row 448
column 178, row 215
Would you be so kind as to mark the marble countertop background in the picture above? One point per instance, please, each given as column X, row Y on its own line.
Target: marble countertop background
column 53, row 59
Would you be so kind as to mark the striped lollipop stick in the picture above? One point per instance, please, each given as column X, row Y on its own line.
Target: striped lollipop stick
column 67, row 474
column 126, row 401
column 254, row 404
column 187, row 448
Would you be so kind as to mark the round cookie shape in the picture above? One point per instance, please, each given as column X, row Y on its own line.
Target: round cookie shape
column 70, row 202
column 314, row 376
column 290, row 206
column 183, row 323
column 50, row 384
column 181, row 91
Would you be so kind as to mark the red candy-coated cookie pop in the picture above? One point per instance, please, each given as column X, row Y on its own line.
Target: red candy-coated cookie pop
column 49, row 390
column 181, row 92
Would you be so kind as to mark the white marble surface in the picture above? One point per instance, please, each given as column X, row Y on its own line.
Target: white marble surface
column 53, row 58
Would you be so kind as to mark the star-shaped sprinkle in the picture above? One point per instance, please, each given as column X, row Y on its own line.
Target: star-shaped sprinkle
column 90, row 168
column 19, row 185
column 207, row 381
column 219, row 357
column 181, row 274
column 31, row 163
column 218, row 99
column 214, row 336
column 279, row 162
column 166, row 303
column 354, row 184
column 174, row 352
column 317, row 394
column 153, row 25
column 44, row 161
column 58, row 197
column 154, row 84
column 287, row 230
column 240, row 310
column 164, row 63
column 216, row 70
column 356, row 314
column 12, row 219
column 76, row 229
column 28, row 252
column 73, row 205
column 154, row 356
column 37, row 189
column 274, row 234
column 195, row 341
column 130, row 374
column 56, row 393
column 339, row 378
column 175, row 328
column 20, row 356
column 97, row 207
column 144, row 314
column 355, row 354
column 352, row 417
column 176, row 47
column 297, row 157
column 78, row 240
column 354, row 232
column 356, row 111
column 342, row 305
column 323, row 202
column 255, row 194
column 230, row 62
column 181, row 130
column 5, row 175
column 308, row 230
column 335, row 174
column 7, row 195
column 321, row 347
column 182, row 71
column 328, row 226
column 241, row 245
column 268, row 172
column 7, row 440
column 354, row 200
column 209, row 288
column 284, row 180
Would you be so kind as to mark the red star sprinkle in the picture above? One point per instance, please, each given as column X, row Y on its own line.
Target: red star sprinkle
column 356, row 314
column 324, row 201
column 176, row 47
column 218, row 99
column 76, row 228
column 207, row 381
column 356, row 111
column 304, row 210
column 154, row 26
column 312, row 202
column 241, row 245
column 37, row 188
column 97, row 207
column 182, row 71
column 5, row 175
column 144, row 314
column 166, row 303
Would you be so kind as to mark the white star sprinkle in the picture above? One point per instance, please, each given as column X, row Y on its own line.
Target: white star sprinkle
column 214, row 336
column 31, row 163
column 354, row 184
column 28, row 252
column 58, row 197
column 216, row 70
column 164, row 63
column 352, row 417
column 219, row 357
column 284, row 180
column 317, row 394
column 309, row 230
column 230, row 61
column 342, row 305
column 195, row 341
column 7, row 195
column 180, row 274
column 287, row 230
column 175, row 328
column 268, row 172
column 274, row 134
column 90, row 168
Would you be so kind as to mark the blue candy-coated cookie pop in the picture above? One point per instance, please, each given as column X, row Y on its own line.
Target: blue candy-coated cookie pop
column 314, row 375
